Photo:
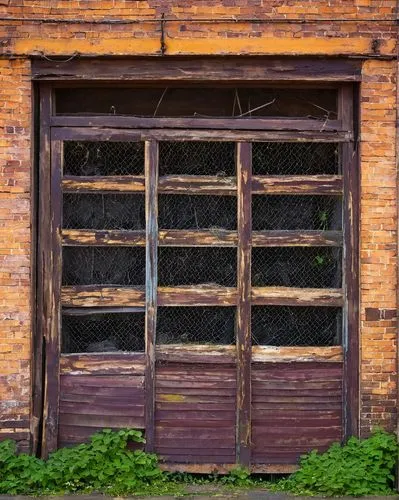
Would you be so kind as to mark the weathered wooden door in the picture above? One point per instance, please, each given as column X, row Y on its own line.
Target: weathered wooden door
column 199, row 285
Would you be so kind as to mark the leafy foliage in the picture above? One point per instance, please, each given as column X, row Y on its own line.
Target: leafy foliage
column 360, row 467
column 104, row 464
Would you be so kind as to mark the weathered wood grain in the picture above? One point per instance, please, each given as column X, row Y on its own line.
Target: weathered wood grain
column 103, row 364
column 249, row 123
column 151, row 215
column 103, row 184
column 197, row 184
column 332, row 297
column 203, row 69
column 271, row 354
column 298, row 184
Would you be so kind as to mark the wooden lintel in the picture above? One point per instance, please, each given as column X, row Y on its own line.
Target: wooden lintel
column 104, row 184
column 298, row 184
column 256, row 123
column 269, row 296
column 198, row 184
column 269, row 354
column 106, row 134
column 256, row 69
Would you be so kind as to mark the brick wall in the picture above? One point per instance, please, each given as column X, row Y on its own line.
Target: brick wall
column 15, row 249
column 368, row 28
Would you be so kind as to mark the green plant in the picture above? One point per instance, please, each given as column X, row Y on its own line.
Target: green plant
column 239, row 476
column 104, row 464
column 361, row 467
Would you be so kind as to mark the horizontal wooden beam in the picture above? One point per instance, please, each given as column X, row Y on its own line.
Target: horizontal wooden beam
column 238, row 69
column 201, row 238
column 298, row 184
column 226, row 468
column 197, row 295
column 297, row 238
column 104, row 184
column 207, row 184
column 255, row 123
column 106, row 134
column 102, row 364
column 197, row 184
column 269, row 354
column 273, row 296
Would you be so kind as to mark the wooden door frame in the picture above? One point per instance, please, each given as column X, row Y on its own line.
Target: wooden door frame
column 52, row 131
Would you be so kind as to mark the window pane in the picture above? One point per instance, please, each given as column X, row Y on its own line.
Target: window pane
column 103, row 158
column 296, row 212
column 194, row 266
column 103, row 266
column 103, row 332
column 311, row 267
column 302, row 158
column 196, row 325
column 296, row 326
column 103, row 211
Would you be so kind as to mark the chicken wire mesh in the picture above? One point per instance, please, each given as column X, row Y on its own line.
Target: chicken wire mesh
column 102, row 332
column 103, row 266
column 301, row 158
column 197, row 212
column 196, row 266
column 103, row 158
column 197, row 158
column 292, row 212
column 103, row 211
column 312, row 267
column 296, row 326
column 196, row 325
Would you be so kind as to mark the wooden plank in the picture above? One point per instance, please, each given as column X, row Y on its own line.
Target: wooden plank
column 102, row 364
column 209, row 354
column 192, row 69
column 106, row 134
column 351, row 216
column 42, row 264
column 243, row 335
column 252, row 123
column 200, row 238
column 90, row 381
column 96, row 295
column 123, row 410
column 198, row 184
column 299, row 238
column 268, row 296
column 103, row 184
column 298, row 184
column 269, row 354
column 151, row 215
column 101, row 421
column 198, row 295
column 52, row 308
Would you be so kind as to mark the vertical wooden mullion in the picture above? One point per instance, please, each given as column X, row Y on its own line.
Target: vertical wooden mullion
column 351, row 208
column 244, row 226
column 43, row 217
column 52, row 309
column 151, row 214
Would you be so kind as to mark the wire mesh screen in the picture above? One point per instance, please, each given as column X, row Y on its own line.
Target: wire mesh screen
column 296, row 326
column 105, row 332
column 197, row 158
column 312, row 267
column 196, row 325
column 195, row 266
column 103, row 158
column 296, row 212
column 103, row 211
column 197, row 212
column 103, row 265
column 302, row 158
